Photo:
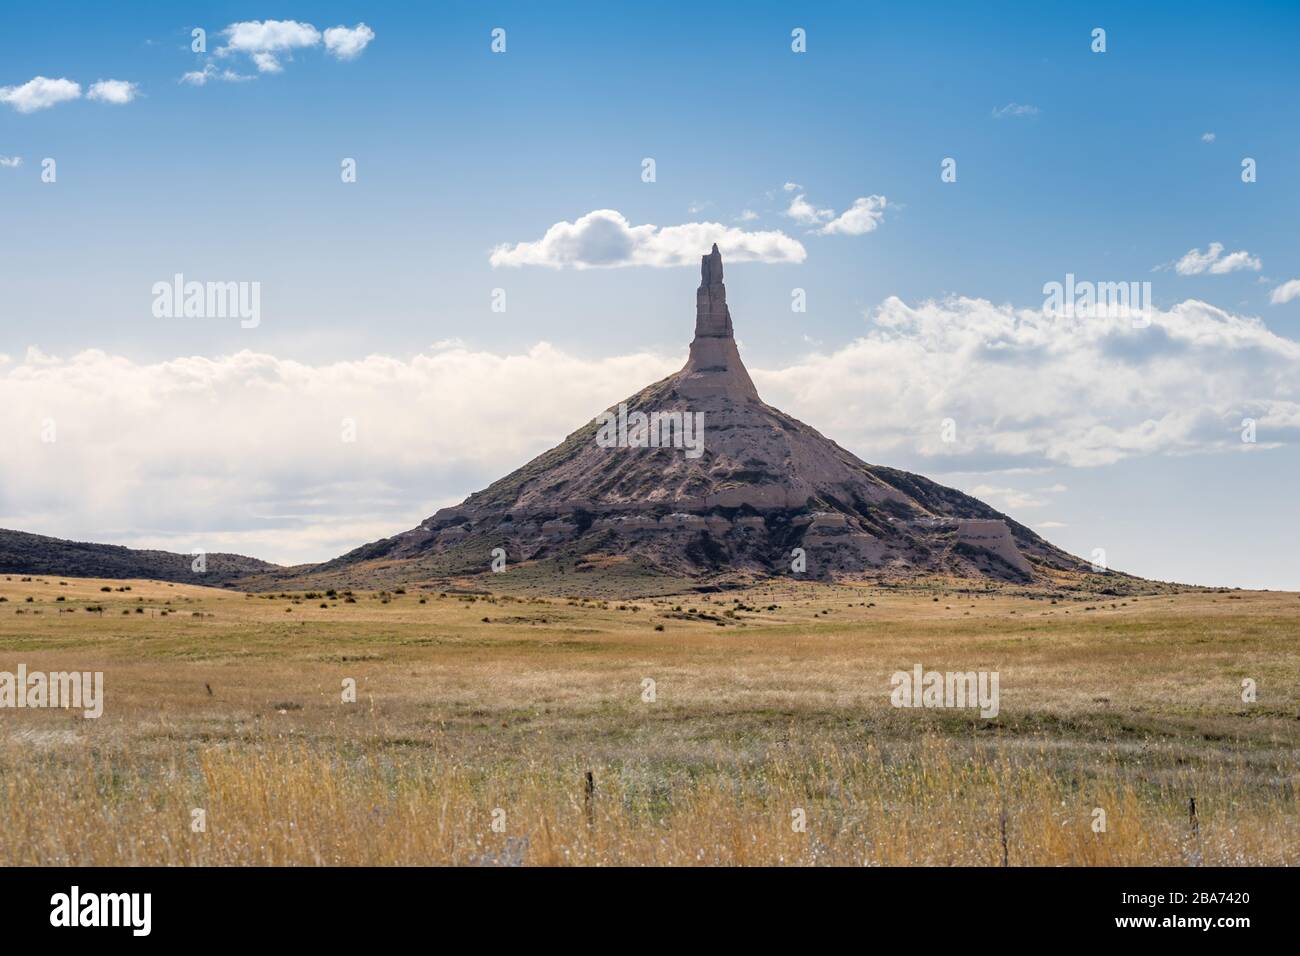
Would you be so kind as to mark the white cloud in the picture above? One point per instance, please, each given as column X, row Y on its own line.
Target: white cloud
column 1208, row 137
column 604, row 238
column 1285, row 292
column 268, row 473
column 347, row 43
column 1015, row 110
column 11, row 162
column 252, row 36
column 1235, row 261
column 747, row 215
column 791, row 187
column 1214, row 262
column 268, row 43
column 39, row 93
column 1008, row 499
column 1048, row 525
column 266, row 62
column 863, row 216
column 117, row 92
column 804, row 212
column 1028, row 388
column 210, row 71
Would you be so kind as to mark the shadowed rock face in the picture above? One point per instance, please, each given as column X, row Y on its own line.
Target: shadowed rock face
column 763, row 485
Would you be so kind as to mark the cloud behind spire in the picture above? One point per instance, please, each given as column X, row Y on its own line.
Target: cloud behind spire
column 605, row 239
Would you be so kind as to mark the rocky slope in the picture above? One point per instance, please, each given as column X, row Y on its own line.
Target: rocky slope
column 752, row 492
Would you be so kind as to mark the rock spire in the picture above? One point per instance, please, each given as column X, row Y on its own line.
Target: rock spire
column 714, row 367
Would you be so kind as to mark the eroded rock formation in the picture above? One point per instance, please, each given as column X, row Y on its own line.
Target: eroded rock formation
column 764, row 486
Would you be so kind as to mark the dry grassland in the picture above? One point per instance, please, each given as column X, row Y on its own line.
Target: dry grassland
column 769, row 703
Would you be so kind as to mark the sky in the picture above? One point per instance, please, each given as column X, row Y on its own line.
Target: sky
column 503, row 264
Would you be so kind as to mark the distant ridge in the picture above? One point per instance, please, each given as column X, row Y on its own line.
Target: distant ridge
column 23, row 553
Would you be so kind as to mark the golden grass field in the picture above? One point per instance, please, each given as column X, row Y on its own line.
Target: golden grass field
column 474, row 709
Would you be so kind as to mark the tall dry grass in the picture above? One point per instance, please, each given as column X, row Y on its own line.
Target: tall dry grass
column 278, row 801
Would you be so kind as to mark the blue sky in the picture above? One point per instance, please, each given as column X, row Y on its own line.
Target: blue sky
column 1098, row 165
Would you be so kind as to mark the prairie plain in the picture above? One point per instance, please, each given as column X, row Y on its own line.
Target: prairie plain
column 495, row 729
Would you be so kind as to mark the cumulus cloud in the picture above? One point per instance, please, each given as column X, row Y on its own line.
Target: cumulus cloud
column 268, row 42
column 1285, row 292
column 604, row 239
column 11, row 162
column 1016, row 110
column 1208, row 137
column 805, row 213
column 266, row 62
column 1215, row 262
column 265, row 40
column 1027, row 388
column 346, row 43
column 39, row 93
column 269, row 473
column 118, row 92
column 863, row 216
